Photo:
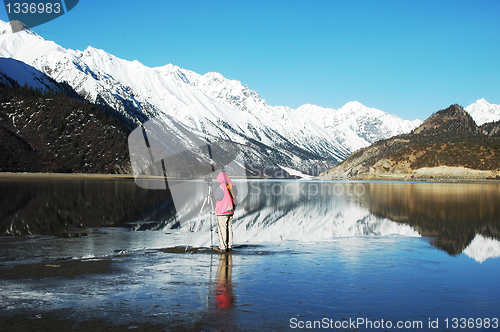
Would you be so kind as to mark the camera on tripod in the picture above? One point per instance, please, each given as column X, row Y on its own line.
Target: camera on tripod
column 208, row 180
column 207, row 201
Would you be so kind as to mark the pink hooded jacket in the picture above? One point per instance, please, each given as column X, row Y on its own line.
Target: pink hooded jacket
column 227, row 204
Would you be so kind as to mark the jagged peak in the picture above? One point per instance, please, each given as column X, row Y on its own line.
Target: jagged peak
column 483, row 111
column 235, row 87
column 96, row 53
column 451, row 119
column 480, row 104
column 358, row 108
column 349, row 106
column 454, row 110
column 214, row 75
column 5, row 27
column 353, row 104
column 169, row 67
column 16, row 27
column 93, row 51
column 308, row 105
column 218, row 77
column 483, row 101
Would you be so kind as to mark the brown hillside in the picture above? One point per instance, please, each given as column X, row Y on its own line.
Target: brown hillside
column 451, row 121
column 449, row 138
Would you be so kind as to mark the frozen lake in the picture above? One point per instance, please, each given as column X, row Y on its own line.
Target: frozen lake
column 345, row 256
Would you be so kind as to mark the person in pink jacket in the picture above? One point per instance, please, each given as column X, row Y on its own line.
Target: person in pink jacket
column 226, row 203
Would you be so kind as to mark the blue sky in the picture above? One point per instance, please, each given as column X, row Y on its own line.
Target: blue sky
column 409, row 58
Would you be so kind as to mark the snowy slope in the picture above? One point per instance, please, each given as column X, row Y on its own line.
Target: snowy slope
column 483, row 112
column 24, row 74
column 207, row 104
column 356, row 126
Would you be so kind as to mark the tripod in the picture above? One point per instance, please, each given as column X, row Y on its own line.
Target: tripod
column 208, row 200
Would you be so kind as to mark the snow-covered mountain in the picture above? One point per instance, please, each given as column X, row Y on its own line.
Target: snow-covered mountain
column 356, row 126
column 10, row 68
column 210, row 104
column 483, row 112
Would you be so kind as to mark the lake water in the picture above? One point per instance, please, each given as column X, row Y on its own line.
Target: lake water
column 366, row 256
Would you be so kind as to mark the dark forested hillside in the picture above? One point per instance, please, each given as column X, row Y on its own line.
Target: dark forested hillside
column 54, row 132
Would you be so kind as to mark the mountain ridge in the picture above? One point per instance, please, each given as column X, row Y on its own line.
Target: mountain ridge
column 209, row 104
column 448, row 145
column 356, row 125
column 141, row 93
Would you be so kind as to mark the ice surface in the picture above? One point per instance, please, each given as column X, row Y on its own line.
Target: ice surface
column 266, row 285
column 303, row 249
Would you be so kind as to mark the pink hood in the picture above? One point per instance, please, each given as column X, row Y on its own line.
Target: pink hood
column 223, row 178
column 227, row 205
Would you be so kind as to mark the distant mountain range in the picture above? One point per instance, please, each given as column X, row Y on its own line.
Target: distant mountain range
column 356, row 126
column 448, row 138
column 308, row 139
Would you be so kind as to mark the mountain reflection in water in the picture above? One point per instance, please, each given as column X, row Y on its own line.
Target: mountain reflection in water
column 65, row 208
column 453, row 215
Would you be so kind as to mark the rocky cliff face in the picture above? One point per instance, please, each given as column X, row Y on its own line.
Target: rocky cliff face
column 491, row 129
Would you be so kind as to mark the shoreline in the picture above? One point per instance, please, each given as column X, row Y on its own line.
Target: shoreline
column 425, row 174
column 64, row 176
column 92, row 176
column 434, row 174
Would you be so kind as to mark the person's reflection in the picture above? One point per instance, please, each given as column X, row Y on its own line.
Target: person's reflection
column 224, row 298
column 224, row 288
